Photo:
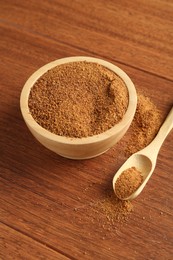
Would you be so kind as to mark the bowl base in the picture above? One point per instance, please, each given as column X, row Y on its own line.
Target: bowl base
column 83, row 157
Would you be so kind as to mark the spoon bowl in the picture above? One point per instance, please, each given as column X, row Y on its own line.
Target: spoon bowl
column 140, row 162
column 145, row 160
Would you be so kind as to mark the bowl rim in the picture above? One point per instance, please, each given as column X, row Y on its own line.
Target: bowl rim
column 30, row 121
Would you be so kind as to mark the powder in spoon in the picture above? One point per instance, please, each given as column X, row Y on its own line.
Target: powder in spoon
column 128, row 182
column 78, row 99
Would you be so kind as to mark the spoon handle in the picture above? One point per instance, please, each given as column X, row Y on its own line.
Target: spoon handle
column 153, row 148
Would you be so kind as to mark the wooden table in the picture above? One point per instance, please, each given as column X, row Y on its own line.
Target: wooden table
column 41, row 192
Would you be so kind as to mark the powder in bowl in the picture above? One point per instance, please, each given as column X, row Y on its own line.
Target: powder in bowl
column 78, row 99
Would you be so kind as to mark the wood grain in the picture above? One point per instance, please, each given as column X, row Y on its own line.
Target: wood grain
column 44, row 198
column 17, row 244
column 139, row 37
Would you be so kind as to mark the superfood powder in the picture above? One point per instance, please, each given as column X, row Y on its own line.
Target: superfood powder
column 113, row 209
column 128, row 182
column 106, row 213
column 145, row 125
column 78, row 99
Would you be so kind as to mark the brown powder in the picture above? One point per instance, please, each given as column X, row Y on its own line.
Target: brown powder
column 78, row 99
column 106, row 213
column 145, row 125
column 128, row 182
column 112, row 210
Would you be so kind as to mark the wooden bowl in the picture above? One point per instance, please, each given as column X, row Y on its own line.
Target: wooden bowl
column 86, row 147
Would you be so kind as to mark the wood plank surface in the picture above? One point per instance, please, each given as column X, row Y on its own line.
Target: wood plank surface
column 45, row 200
column 17, row 244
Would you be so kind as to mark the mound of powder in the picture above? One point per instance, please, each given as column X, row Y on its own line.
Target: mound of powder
column 113, row 209
column 145, row 125
column 78, row 99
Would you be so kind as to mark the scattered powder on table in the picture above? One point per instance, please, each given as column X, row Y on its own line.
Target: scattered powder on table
column 78, row 99
column 145, row 125
column 106, row 212
column 114, row 209
column 128, row 182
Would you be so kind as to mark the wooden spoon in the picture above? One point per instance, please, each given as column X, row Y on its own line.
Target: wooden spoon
column 145, row 160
